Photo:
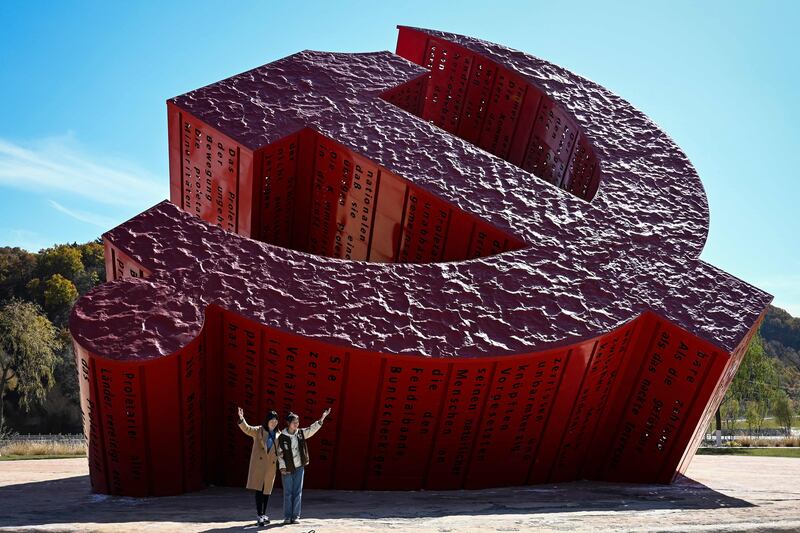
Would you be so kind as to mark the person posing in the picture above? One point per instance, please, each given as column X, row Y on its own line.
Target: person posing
column 263, row 460
column 292, row 459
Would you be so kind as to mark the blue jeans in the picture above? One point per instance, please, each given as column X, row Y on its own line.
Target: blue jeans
column 292, row 493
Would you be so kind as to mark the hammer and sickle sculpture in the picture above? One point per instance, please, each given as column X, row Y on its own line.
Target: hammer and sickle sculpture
column 488, row 266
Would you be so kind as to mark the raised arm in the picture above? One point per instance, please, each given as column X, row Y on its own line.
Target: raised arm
column 313, row 428
column 309, row 431
column 246, row 428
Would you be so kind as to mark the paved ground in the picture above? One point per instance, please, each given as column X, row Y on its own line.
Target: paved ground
column 724, row 494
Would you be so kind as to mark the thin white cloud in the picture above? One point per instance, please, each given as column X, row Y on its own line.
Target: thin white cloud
column 60, row 164
column 84, row 216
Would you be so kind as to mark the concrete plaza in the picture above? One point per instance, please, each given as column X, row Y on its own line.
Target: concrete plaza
column 721, row 493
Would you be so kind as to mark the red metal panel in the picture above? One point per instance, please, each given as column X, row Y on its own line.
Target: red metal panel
column 425, row 225
column 356, row 209
column 164, row 425
column 140, row 437
column 358, row 408
column 486, row 240
column 685, row 422
column 496, row 109
column 405, row 423
column 505, row 105
column 550, row 147
column 241, row 349
column 119, row 265
column 306, row 377
column 527, row 117
column 458, row 423
column 459, row 235
column 582, row 170
column 108, row 259
column 411, row 44
column 476, row 101
column 120, row 392
column 279, row 170
column 598, row 380
column 408, row 96
column 387, row 226
column 332, row 172
column 92, row 418
column 673, row 369
column 618, row 401
column 247, row 200
column 303, row 188
column 174, row 141
column 216, row 425
column 450, row 68
column 725, row 374
column 522, row 392
column 210, row 168
column 192, row 412
column 564, row 389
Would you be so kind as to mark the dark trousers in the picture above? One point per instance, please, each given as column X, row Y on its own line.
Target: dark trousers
column 261, row 502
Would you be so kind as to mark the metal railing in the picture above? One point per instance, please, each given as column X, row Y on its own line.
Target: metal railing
column 62, row 438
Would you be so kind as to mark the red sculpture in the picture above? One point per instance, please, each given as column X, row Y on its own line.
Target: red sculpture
column 485, row 264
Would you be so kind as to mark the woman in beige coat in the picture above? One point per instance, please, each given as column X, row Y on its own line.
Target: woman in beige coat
column 263, row 460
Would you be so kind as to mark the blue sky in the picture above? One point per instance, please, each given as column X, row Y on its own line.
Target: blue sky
column 83, row 143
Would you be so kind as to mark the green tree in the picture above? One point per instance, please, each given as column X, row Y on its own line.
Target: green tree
column 28, row 345
column 752, row 416
column 62, row 273
column 94, row 265
column 730, row 413
column 59, row 295
column 16, row 269
column 62, row 406
column 93, row 255
column 62, row 259
column 783, row 412
column 52, row 279
column 757, row 376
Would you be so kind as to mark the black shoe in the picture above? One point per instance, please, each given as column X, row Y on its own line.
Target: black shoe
column 295, row 520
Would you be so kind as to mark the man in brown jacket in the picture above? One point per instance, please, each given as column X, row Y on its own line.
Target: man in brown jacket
column 263, row 460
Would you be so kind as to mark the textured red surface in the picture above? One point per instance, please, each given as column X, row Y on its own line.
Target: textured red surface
column 485, row 264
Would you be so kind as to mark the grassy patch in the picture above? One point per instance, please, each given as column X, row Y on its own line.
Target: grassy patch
column 46, row 448
column 29, row 457
column 762, row 452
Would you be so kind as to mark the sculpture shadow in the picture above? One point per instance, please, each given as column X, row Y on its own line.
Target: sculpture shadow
column 69, row 500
